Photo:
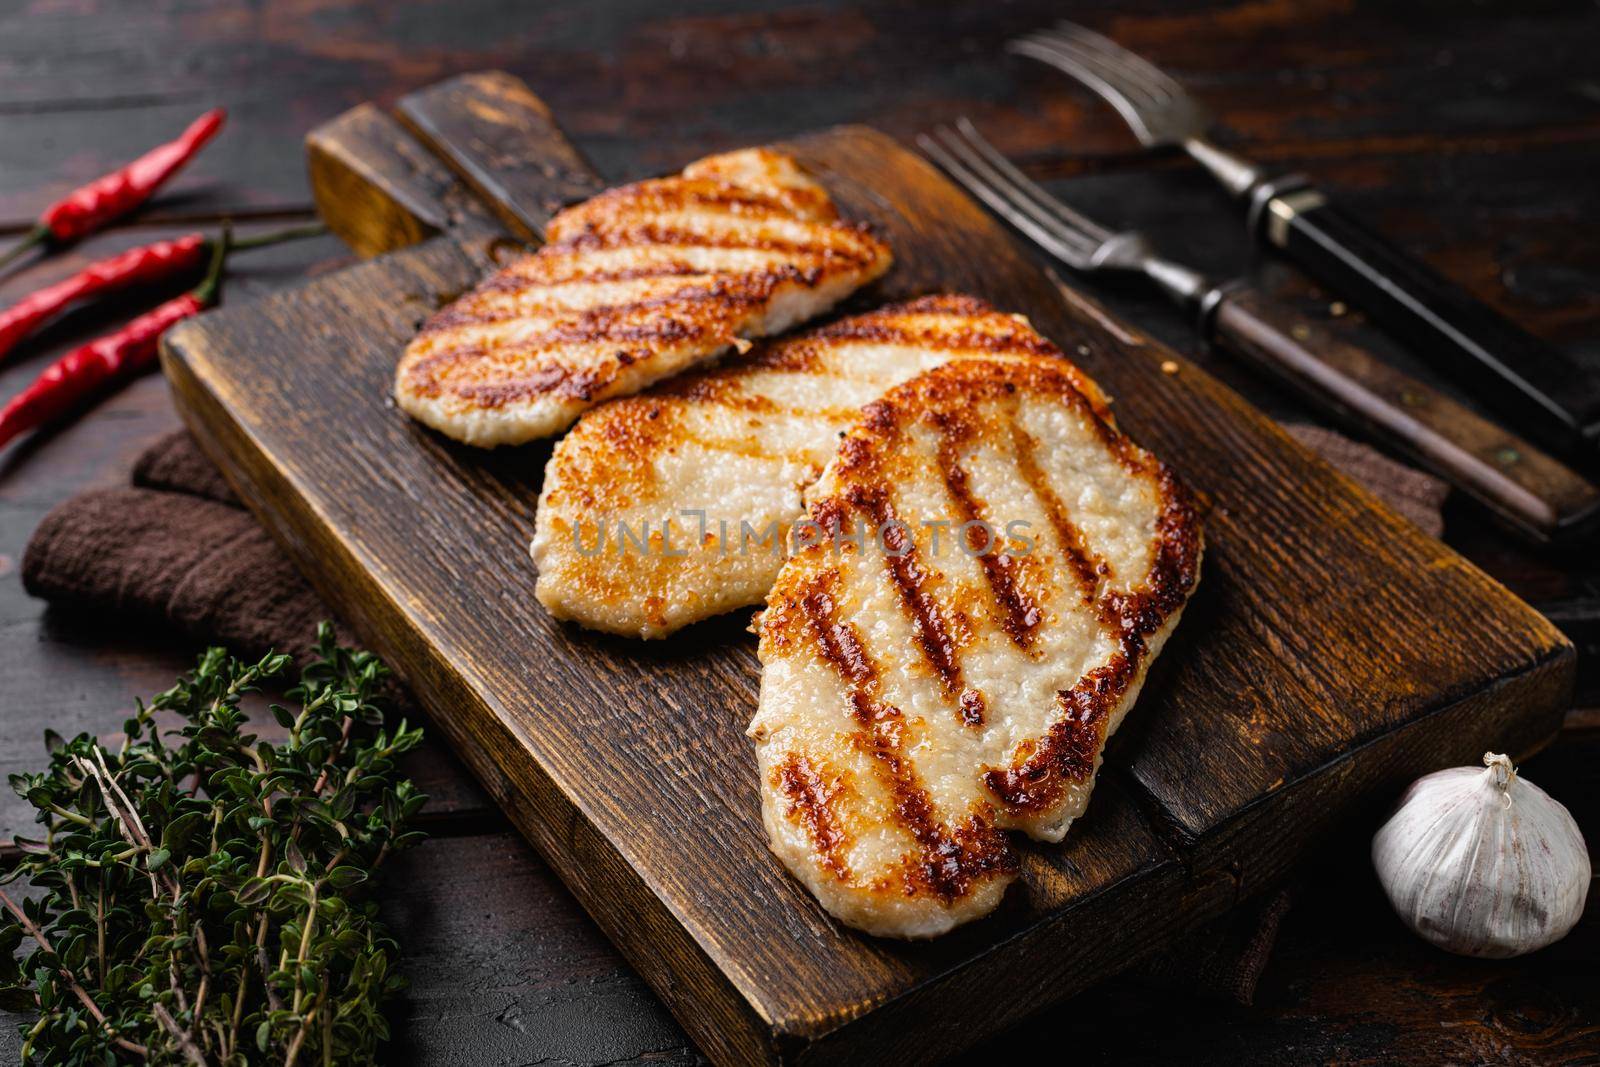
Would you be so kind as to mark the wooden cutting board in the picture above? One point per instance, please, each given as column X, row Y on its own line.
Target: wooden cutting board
column 1332, row 652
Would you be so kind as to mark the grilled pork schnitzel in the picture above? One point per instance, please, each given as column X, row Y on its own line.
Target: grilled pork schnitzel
column 925, row 690
column 634, row 285
column 662, row 509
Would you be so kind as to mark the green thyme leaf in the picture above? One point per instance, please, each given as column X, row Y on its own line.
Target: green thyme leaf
column 206, row 890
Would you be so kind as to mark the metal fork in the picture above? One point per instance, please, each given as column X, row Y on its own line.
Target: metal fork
column 1533, row 493
column 1076, row 240
column 1550, row 395
column 1159, row 110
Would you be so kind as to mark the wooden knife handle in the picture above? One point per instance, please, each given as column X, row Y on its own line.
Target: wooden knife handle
column 1546, row 394
column 1534, row 493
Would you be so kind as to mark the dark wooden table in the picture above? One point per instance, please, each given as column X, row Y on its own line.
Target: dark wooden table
column 1470, row 135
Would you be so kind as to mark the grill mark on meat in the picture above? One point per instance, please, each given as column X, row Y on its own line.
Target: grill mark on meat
column 838, row 641
column 678, row 269
column 496, row 394
column 1176, row 565
column 566, row 382
column 542, row 275
column 1067, row 753
column 1042, row 771
column 950, row 861
column 912, row 581
column 972, row 708
column 812, row 802
column 1038, row 776
column 428, row 375
column 1017, row 614
column 608, row 323
column 655, row 235
column 611, row 329
column 964, row 339
column 465, row 313
column 687, row 195
column 1087, row 568
column 611, row 323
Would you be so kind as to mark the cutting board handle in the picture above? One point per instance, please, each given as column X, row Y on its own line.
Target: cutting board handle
column 477, row 151
column 379, row 190
column 504, row 143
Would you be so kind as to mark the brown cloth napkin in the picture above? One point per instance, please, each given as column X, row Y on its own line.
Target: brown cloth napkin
column 168, row 557
column 178, row 549
column 1410, row 493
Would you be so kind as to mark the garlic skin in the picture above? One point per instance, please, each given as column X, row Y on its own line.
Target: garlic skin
column 1483, row 863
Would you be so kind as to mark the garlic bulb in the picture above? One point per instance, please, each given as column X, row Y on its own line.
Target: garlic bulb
column 1482, row 863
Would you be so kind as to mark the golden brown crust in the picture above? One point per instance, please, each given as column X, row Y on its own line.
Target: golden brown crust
column 732, row 440
column 1035, row 779
column 634, row 285
column 928, row 431
column 951, row 860
column 945, row 400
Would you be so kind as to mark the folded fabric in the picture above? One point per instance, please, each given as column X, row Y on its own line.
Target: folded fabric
column 178, row 549
column 176, row 464
column 1411, row 493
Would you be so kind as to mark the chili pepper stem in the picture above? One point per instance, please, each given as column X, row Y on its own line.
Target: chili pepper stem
column 264, row 240
column 32, row 239
column 206, row 291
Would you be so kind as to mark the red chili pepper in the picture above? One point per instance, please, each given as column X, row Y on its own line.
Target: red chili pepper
column 79, row 374
column 137, row 266
column 145, row 265
column 90, row 207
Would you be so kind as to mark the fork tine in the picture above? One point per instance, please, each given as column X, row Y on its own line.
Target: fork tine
column 978, row 156
column 1153, row 91
column 1133, row 62
column 1046, row 239
column 1026, row 185
column 955, row 156
column 1090, row 74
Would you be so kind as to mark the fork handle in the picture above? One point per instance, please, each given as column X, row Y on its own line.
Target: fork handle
column 1546, row 394
column 1526, row 488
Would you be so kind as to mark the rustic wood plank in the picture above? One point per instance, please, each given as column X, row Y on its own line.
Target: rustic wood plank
column 644, row 86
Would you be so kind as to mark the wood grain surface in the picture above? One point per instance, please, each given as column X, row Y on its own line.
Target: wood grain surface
column 402, row 530
column 1467, row 133
column 378, row 189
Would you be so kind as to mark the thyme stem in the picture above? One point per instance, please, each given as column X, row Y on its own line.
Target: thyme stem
column 209, row 852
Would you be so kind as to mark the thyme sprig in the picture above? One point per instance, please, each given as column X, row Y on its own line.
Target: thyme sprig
column 200, row 895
